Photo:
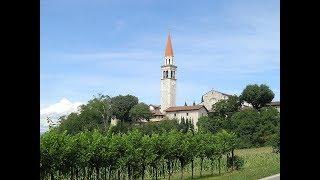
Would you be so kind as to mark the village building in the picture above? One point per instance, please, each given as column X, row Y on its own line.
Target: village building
column 168, row 106
column 192, row 113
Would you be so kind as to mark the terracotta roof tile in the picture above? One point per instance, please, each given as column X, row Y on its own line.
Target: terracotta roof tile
column 169, row 50
column 157, row 113
column 184, row 108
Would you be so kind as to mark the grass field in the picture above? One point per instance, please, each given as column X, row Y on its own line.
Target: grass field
column 259, row 163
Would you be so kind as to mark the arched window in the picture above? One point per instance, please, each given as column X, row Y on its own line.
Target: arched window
column 164, row 74
column 169, row 61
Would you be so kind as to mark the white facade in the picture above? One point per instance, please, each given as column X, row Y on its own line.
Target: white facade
column 168, row 84
column 212, row 97
column 192, row 115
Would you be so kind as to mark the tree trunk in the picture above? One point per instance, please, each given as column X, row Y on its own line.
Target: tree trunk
column 219, row 161
column 77, row 173
column 232, row 159
column 129, row 175
column 72, row 174
column 51, row 176
column 163, row 171
column 143, row 170
column 192, row 169
column 90, row 173
column 227, row 162
column 119, row 174
column 201, row 165
column 110, row 172
column 181, row 172
column 97, row 173
column 211, row 166
column 169, row 169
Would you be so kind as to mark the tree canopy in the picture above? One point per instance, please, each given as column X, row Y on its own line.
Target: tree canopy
column 257, row 95
column 227, row 107
column 140, row 111
column 121, row 106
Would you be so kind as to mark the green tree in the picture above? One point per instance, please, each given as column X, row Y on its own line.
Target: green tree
column 210, row 124
column 225, row 143
column 202, row 149
column 140, row 111
column 227, row 107
column 268, row 124
column 121, row 106
column 275, row 141
column 70, row 123
column 247, row 126
column 257, row 95
column 52, row 147
column 94, row 115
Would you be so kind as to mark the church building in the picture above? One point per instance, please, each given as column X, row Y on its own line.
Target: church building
column 168, row 107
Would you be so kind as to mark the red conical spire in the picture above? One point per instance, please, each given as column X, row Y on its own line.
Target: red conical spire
column 169, row 51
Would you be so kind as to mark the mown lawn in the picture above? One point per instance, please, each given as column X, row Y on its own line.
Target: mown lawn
column 259, row 163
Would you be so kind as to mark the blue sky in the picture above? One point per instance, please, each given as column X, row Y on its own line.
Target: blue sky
column 117, row 47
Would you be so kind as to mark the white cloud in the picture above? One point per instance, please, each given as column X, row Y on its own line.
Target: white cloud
column 54, row 111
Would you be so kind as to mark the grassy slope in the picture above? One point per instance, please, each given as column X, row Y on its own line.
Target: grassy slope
column 259, row 163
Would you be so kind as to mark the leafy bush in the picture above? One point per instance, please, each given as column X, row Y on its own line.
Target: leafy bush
column 275, row 142
column 236, row 161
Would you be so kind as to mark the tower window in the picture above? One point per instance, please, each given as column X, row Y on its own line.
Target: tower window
column 175, row 114
column 172, row 74
column 169, row 61
column 164, row 74
column 187, row 114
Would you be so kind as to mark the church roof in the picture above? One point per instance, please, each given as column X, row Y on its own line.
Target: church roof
column 185, row 108
column 217, row 92
column 169, row 50
column 157, row 113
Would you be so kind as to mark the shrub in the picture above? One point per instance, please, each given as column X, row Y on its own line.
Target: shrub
column 238, row 162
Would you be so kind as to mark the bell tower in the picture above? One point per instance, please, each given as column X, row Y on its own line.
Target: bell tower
column 168, row 78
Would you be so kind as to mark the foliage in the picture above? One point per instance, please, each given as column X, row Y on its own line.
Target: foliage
column 133, row 154
column 275, row 141
column 121, row 106
column 185, row 125
column 226, row 107
column 94, row 115
column 255, row 128
column 139, row 112
column 235, row 161
column 257, row 95
column 121, row 127
column 210, row 124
